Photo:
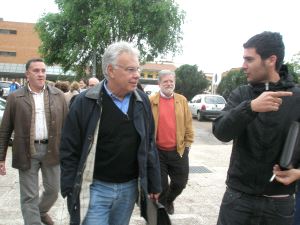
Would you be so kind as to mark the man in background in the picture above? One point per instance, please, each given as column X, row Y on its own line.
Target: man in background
column 174, row 136
column 35, row 113
column 13, row 86
column 93, row 81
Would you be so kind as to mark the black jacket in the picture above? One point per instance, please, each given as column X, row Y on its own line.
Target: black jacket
column 258, row 138
column 77, row 141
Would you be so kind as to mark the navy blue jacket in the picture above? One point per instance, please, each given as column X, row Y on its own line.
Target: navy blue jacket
column 78, row 135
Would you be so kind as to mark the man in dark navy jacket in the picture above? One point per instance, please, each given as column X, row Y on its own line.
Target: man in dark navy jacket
column 108, row 150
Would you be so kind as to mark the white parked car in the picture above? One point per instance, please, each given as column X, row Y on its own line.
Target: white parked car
column 151, row 89
column 206, row 106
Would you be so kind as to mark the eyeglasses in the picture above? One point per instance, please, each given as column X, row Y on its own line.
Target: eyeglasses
column 130, row 69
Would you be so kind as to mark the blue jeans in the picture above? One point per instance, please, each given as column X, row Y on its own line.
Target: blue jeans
column 238, row 208
column 111, row 203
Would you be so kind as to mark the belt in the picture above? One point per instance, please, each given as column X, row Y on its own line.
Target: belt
column 43, row 141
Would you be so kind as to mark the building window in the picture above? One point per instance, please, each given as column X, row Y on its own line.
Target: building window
column 142, row 75
column 150, row 75
column 9, row 54
column 7, row 31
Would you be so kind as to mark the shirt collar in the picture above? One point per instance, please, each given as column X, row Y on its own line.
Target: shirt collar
column 32, row 92
column 164, row 96
column 112, row 94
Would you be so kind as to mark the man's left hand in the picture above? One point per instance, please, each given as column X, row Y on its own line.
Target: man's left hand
column 286, row 176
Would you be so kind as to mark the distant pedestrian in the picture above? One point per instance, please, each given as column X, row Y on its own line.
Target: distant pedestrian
column 92, row 82
column 83, row 85
column 13, row 86
column 74, row 90
column 174, row 136
column 63, row 86
column 35, row 113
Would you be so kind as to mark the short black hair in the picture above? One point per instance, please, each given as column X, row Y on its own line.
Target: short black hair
column 31, row 61
column 266, row 44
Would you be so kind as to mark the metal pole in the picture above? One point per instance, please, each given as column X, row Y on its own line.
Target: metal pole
column 94, row 64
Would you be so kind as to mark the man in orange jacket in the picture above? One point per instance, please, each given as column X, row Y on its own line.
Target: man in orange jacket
column 174, row 136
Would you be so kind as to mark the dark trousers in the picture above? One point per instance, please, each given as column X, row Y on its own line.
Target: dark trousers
column 297, row 213
column 238, row 208
column 177, row 168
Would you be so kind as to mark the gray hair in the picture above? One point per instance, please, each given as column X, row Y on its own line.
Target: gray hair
column 112, row 53
column 164, row 73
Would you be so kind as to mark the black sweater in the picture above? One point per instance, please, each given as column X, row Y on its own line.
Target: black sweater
column 118, row 141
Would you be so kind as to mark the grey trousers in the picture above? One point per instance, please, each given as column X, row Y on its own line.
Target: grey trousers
column 33, row 205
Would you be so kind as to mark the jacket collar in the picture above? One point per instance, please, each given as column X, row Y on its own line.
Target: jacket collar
column 286, row 82
column 94, row 92
column 25, row 90
column 155, row 98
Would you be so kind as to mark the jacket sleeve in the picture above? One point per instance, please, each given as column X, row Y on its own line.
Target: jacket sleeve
column 70, row 149
column 7, row 126
column 189, row 133
column 153, row 166
column 235, row 117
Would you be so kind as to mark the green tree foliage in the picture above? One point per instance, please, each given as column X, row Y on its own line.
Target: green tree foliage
column 232, row 80
column 84, row 28
column 295, row 61
column 294, row 67
column 190, row 81
column 292, row 71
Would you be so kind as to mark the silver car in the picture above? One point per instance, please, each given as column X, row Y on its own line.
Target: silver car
column 206, row 106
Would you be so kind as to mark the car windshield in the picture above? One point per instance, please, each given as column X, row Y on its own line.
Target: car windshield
column 214, row 100
column 4, row 85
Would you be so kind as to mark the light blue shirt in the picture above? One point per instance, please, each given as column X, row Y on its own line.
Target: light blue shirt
column 123, row 105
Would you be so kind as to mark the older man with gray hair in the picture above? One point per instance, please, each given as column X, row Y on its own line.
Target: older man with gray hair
column 93, row 81
column 107, row 147
column 174, row 136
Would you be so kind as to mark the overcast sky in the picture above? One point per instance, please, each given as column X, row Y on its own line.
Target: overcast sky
column 214, row 30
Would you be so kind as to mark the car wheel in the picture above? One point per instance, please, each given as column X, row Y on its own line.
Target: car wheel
column 199, row 117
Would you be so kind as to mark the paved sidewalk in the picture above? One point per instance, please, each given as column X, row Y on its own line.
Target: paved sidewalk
column 197, row 205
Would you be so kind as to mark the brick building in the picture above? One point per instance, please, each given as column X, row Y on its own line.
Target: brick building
column 19, row 42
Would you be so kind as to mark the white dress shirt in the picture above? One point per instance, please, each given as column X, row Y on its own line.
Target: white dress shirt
column 41, row 131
